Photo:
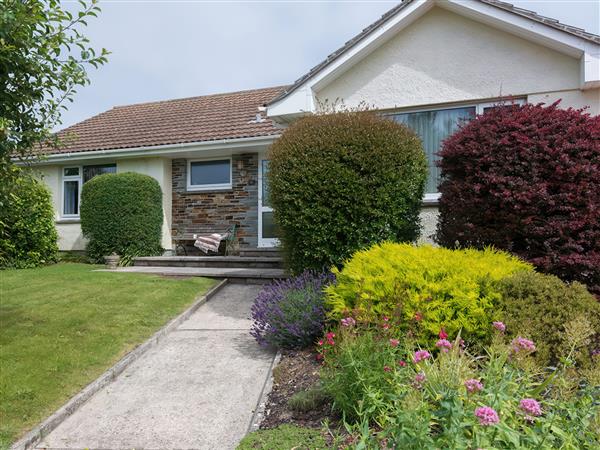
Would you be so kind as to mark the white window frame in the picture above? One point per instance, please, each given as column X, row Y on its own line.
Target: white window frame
column 209, row 187
column 263, row 242
column 79, row 179
column 65, row 178
column 433, row 198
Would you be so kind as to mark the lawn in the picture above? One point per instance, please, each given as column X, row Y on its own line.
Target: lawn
column 61, row 326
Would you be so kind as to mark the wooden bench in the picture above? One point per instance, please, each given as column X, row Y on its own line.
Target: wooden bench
column 190, row 236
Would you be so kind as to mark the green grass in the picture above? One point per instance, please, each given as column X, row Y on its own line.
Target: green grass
column 284, row 437
column 61, row 326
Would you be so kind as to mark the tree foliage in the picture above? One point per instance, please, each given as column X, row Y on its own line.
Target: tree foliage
column 343, row 181
column 122, row 213
column 527, row 179
column 43, row 60
column 27, row 233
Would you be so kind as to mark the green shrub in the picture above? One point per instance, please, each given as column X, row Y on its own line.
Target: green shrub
column 283, row 437
column 27, row 232
column 543, row 308
column 425, row 288
column 122, row 213
column 340, row 182
column 308, row 400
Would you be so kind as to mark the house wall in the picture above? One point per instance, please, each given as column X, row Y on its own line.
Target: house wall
column 160, row 170
column 444, row 57
column 70, row 236
column 205, row 210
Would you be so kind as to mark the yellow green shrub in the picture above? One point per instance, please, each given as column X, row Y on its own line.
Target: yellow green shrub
column 424, row 288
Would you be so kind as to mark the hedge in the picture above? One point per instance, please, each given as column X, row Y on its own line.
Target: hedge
column 27, row 233
column 526, row 179
column 341, row 182
column 122, row 213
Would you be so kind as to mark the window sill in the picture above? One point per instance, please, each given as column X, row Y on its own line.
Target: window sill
column 431, row 199
column 208, row 190
column 66, row 220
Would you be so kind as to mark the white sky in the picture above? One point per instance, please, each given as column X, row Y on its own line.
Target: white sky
column 171, row 49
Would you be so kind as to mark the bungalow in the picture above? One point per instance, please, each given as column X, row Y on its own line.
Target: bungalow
column 425, row 63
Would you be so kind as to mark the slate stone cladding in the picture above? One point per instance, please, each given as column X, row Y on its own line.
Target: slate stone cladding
column 219, row 209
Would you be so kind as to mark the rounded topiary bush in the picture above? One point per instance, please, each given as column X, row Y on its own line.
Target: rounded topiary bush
column 550, row 312
column 526, row 179
column 340, row 182
column 423, row 288
column 27, row 232
column 122, row 213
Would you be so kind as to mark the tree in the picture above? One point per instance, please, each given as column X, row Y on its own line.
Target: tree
column 43, row 60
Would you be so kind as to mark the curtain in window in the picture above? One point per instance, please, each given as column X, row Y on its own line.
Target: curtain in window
column 90, row 172
column 71, row 201
column 433, row 127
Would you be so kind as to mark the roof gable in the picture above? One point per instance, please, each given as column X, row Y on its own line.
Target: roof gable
column 299, row 98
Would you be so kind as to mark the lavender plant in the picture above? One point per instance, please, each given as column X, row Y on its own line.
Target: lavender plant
column 291, row 313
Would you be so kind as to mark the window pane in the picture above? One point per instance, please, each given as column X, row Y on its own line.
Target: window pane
column 268, row 226
column 265, row 183
column 71, row 197
column 71, row 171
column 90, row 172
column 210, row 172
column 433, row 127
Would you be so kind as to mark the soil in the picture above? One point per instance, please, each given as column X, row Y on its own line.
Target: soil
column 297, row 371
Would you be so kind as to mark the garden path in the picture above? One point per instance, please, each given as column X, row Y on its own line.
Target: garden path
column 197, row 389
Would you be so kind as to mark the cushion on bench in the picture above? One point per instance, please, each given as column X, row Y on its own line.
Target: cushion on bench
column 211, row 242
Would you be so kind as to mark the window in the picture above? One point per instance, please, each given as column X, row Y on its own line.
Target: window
column 433, row 127
column 73, row 178
column 90, row 172
column 209, row 174
column 71, row 182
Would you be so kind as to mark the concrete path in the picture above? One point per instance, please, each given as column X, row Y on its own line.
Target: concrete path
column 198, row 389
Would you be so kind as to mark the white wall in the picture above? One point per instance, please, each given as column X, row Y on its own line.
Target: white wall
column 70, row 236
column 444, row 57
column 573, row 98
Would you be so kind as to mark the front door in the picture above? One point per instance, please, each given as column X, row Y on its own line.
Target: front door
column 266, row 226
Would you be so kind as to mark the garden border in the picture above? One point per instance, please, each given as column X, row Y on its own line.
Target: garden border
column 261, row 404
column 39, row 432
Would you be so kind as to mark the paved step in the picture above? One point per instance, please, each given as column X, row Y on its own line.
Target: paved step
column 218, row 262
column 260, row 252
column 235, row 275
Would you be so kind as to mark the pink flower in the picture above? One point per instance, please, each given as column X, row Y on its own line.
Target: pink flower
column 499, row 326
column 329, row 336
column 387, row 369
column 386, row 319
column 487, row 416
column 421, row 355
column 348, row 322
column 320, row 342
column 444, row 345
column 442, row 334
column 473, row 385
column 402, row 363
column 419, row 379
column 418, row 316
column 394, row 342
column 522, row 344
column 531, row 407
column 386, row 326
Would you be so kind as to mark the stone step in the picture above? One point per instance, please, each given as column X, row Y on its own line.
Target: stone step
column 260, row 252
column 216, row 262
column 234, row 275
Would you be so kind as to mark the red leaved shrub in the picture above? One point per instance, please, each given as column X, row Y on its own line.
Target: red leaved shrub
column 526, row 179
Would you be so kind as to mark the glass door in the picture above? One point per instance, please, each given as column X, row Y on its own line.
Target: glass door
column 266, row 225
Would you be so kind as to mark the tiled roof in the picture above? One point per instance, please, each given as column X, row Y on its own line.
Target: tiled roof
column 392, row 12
column 195, row 119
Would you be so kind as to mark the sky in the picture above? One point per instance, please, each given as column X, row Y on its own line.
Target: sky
column 182, row 48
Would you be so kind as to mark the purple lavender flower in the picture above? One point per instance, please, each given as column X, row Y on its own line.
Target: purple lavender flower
column 291, row 313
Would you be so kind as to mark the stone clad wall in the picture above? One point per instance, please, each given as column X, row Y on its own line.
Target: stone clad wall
column 205, row 209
